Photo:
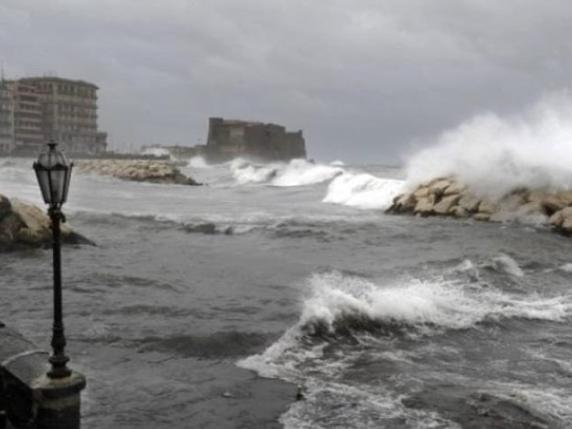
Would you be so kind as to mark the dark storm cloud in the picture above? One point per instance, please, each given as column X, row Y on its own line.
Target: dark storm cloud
column 364, row 79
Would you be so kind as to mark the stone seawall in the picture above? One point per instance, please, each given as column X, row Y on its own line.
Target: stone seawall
column 446, row 196
column 137, row 170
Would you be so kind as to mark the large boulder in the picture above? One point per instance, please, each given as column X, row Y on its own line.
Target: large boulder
column 551, row 204
column 454, row 188
column 421, row 192
column 137, row 170
column 23, row 224
column 459, row 212
column 404, row 203
column 562, row 220
column 424, row 206
column 447, row 202
column 487, row 207
column 438, row 186
column 469, row 202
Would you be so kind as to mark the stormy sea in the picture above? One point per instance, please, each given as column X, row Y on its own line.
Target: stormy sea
column 215, row 306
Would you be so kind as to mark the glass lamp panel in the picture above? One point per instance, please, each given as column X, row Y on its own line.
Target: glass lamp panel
column 43, row 181
column 58, row 179
column 67, row 183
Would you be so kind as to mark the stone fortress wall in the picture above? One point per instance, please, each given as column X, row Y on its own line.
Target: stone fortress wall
column 229, row 139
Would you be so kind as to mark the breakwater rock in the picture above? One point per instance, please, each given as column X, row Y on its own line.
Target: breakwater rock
column 136, row 170
column 449, row 197
column 26, row 225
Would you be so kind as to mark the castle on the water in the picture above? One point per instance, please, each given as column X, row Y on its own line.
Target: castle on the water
column 230, row 138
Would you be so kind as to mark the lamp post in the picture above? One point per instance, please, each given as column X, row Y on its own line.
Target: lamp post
column 53, row 172
column 57, row 394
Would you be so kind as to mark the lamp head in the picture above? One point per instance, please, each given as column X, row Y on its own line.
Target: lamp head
column 53, row 171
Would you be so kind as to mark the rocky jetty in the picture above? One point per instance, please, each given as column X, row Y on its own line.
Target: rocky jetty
column 447, row 196
column 136, row 170
column 23, row 224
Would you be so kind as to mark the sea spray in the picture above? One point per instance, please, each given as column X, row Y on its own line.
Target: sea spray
column 494, row 155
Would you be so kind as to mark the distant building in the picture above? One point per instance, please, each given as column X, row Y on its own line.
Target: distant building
column 27, row 113
column 229, row 139
column 69, row 113
column 6, row 119
column 100, row 143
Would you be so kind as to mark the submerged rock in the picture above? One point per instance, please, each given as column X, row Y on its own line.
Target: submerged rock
column 137, row 170
column 24, row 224
column 207, row 228
column 202, row 228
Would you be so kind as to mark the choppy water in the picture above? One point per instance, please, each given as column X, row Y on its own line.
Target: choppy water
column 298, row 277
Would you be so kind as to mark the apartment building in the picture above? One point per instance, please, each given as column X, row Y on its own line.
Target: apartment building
column 69, row 112
column 6, row 119
column 27, row 113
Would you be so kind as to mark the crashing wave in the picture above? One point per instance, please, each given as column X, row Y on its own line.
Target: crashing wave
column 363, row 191
column 297, row 172
column 198, row 162
column 337, row 301
column 340, row 306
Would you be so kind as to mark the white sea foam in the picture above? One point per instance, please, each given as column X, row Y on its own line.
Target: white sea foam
column 545, row 401
column 156, row 151
column 508, row 265
column 350, row 406
column 198, row 162
column 363, row 190
column 297, row 172
column 469, row 269
column 494, row 154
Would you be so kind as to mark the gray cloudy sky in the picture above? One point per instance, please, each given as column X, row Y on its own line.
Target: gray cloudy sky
column 367, row 80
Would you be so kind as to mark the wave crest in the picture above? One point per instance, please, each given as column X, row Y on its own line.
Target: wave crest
column 297, row 172
column 342, row 303
column 198, row 162
column 363, row 191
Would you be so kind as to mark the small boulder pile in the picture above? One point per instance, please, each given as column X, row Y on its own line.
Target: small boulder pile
column 136, row 170
column 23, row 224
column 446, row 196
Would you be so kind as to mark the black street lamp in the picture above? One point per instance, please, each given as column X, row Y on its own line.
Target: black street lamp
column 53, row 172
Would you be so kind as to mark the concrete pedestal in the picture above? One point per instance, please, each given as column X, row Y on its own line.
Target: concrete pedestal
column 58, row 401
